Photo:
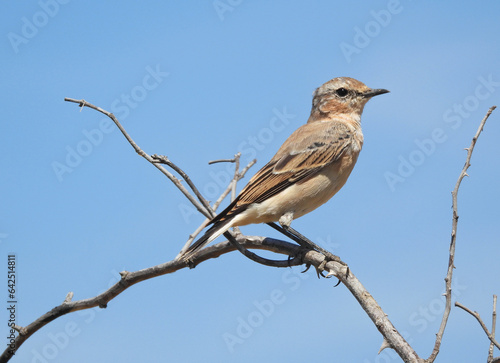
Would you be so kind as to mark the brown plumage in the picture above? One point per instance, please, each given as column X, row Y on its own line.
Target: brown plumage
column 309, row 168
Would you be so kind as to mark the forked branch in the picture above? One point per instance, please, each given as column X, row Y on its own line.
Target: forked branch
column 454, row 224
column 199, row 202
column 129, row 279
column 475, row 314
column 490, row 335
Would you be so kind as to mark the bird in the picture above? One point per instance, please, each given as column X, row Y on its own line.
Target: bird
column 311, row 166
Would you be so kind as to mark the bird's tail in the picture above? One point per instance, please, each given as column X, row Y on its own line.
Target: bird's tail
column 211, row 234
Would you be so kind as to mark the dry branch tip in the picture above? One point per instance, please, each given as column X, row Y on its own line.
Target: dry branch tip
column 385, row 344
column 68, row 297
column 21, row 330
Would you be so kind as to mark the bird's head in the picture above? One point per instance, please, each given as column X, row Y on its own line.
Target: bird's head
column 341, row 97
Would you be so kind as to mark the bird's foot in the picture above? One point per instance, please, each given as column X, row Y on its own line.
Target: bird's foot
column 321, row 268
column 307, row 244
column 189, row 262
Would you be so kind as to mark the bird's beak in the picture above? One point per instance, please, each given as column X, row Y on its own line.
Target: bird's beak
column 374, row 92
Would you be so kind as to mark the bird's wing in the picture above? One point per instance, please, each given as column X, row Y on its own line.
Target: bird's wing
column 307, row 151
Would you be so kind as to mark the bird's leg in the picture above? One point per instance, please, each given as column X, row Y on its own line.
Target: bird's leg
column 286, row 220
column 302, row 240
column 329, row 256
column 256, row 258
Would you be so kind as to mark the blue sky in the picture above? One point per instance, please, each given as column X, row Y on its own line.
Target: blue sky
column 199, row 81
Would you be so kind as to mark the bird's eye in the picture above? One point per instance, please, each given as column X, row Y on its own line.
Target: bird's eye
column 342, row 92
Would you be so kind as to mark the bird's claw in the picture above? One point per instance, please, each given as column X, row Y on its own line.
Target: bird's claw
column 321, row 268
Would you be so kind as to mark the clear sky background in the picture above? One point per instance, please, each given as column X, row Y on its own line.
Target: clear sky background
column 202, row 80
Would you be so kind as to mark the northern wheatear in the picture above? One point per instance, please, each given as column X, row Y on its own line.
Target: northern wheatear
column 309, row 168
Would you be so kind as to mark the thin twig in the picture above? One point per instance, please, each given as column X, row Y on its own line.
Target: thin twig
column 493, row 328
column 451, row 261
column 193, row 235
column 221, row 161
column 478, row 318
column 138, row 150
column 236, row 175
column 243, row 171
column 239, row 176
column 165, row 160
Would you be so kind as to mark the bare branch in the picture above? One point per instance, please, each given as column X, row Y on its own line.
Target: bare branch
column 200, row 207
column 165, row 160
column 237, row 176
column 131, row 278
column 451, row 261
column 311, row 257
column 221, row 161
column 204, row 208
column 192, row 236
column 478, row 318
